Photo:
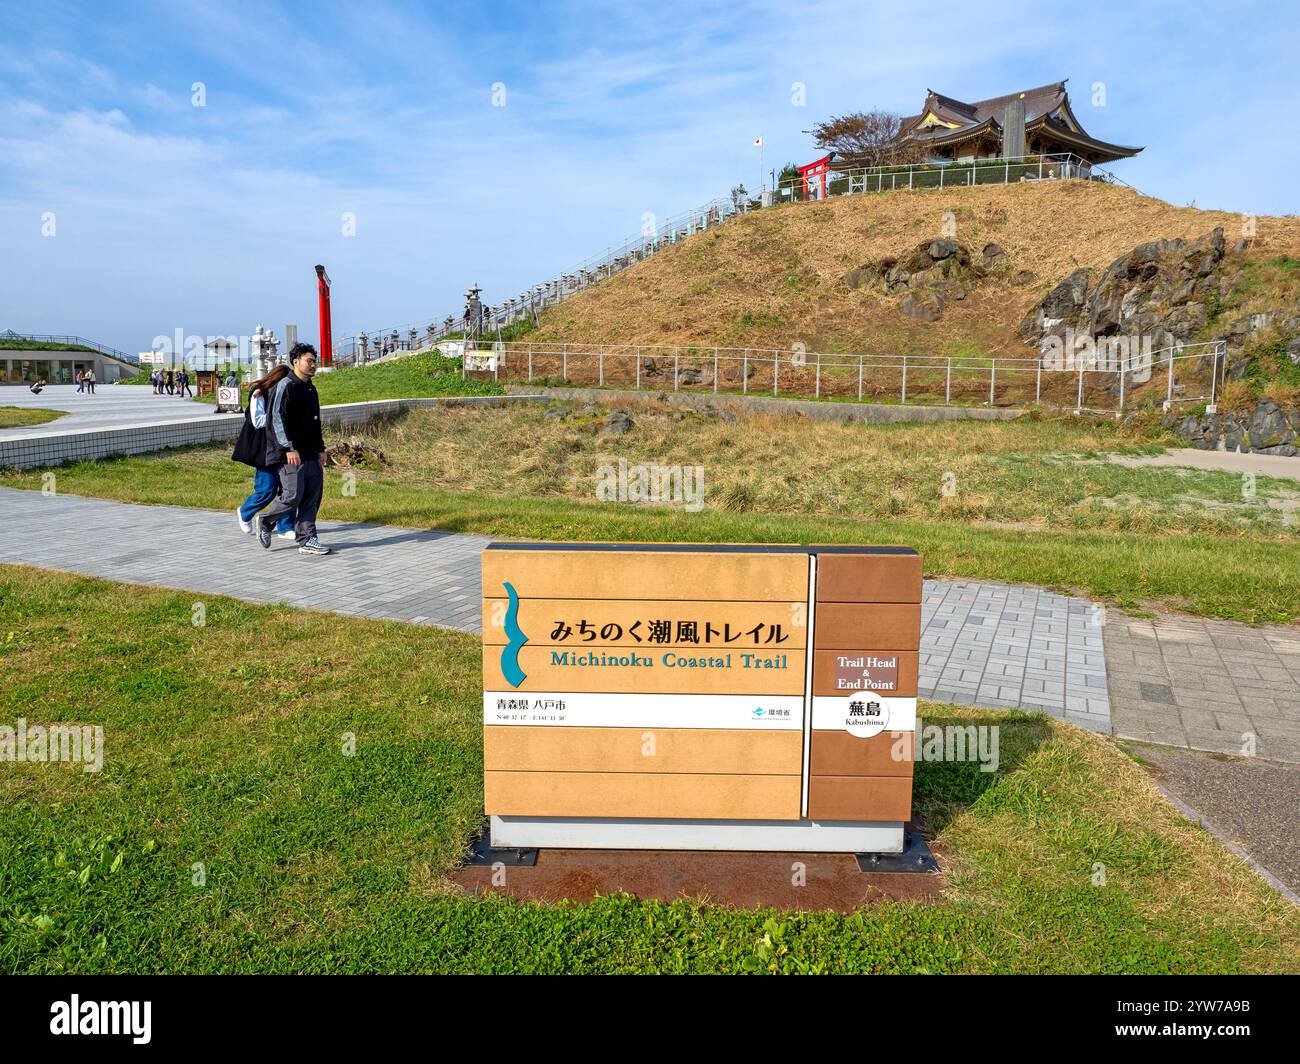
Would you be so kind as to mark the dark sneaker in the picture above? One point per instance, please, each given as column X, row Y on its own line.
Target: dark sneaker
column 313, row 546
column 263, row 532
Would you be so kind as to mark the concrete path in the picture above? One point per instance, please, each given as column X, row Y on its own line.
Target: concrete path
column 1251, row 804
column 1205, row 684
column 1264, row 465
column 1182, row 681
column 982, row 644
column 112, row 406
column 381, row 572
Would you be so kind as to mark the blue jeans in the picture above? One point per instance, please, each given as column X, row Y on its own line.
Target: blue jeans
column 266, row 486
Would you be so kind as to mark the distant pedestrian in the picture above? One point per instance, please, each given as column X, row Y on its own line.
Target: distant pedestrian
column 294, row 446
column 183, row 382
column 170, row 381
column 37, row 386
column 90, row 381
column 81, row 382
column 232, row 381
column 250, row 448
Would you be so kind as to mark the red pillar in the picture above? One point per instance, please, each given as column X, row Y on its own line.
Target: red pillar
column 326, row 329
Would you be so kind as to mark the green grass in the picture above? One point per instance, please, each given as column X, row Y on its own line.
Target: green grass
column 414, row 377
column 12, row 417
column 1021, row 510
column 10, row 344
column 223, row 747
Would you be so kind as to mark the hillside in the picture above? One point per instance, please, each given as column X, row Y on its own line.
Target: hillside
column 777, row 276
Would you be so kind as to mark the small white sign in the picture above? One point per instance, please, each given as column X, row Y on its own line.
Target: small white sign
column 227, row 398
column 576, row 709
column 480, row 361
column 863, row 713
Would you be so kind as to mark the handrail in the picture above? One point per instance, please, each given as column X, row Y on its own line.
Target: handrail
column 80, row 341
column 407, row 338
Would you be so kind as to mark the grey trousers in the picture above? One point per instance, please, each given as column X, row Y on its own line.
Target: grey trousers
column 301, row 487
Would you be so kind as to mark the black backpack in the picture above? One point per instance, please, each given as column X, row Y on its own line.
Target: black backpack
column 250, row 446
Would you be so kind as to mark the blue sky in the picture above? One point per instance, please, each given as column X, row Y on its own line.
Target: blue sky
column 209, row 219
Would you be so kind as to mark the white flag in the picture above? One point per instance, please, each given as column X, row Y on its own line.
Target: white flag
column 758, row 142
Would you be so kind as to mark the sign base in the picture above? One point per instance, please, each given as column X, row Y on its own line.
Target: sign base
column 793, row 836
column 916, row 857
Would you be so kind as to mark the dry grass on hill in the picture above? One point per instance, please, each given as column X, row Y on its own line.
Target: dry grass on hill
column 775, row 277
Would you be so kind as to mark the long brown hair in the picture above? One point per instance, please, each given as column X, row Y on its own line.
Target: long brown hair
column 268, row 382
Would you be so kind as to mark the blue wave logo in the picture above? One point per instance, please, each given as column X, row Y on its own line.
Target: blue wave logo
column 510, row 653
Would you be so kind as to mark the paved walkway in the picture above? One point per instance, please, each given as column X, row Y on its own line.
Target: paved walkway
column 1004, row 646
column 982, row 644
column 381, row 572
column 112, row 406
column 1205, row 684
column 1180, row 681
column 1268, row 465
column 1253, row 805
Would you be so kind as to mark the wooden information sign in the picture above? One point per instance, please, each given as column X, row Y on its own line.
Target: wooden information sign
column 683, row 696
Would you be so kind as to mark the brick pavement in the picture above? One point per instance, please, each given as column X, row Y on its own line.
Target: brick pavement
column 982, row 644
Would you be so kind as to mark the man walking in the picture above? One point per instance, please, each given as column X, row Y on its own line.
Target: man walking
column 294, row 445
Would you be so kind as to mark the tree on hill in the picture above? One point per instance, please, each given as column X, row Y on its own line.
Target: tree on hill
column 869, row 138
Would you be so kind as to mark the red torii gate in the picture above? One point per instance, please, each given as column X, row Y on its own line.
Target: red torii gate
column 817, row 171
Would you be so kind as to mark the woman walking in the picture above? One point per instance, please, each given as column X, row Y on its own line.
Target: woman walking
column 250, row 449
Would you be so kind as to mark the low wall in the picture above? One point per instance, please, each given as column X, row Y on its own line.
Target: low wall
column 59, row 448
column 879, row 413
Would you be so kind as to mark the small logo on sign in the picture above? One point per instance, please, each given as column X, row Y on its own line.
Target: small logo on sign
column 510, row 653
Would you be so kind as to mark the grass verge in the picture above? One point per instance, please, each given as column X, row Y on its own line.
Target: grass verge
column 1030, row 502
column 12, row 417
column 228, row 831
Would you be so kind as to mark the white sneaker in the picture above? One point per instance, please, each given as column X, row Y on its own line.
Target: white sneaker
column 245, row 527
column 291, row 534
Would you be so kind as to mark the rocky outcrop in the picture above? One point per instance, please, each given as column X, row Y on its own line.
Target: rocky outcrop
column 1159, row 289
column 1165, row 293
column 353, row 452
column 1265, row 429
column 931, row 275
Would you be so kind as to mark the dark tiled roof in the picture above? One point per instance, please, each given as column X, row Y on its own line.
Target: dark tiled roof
column 1045, row 106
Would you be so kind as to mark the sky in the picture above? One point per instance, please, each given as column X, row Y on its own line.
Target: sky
column 184, row 165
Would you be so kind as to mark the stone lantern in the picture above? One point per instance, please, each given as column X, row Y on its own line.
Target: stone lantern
column 264, row 349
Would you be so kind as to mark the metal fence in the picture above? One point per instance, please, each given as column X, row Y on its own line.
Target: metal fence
column 396, row 341
column 1095, row 382
column 80, row 341
column 848, row 182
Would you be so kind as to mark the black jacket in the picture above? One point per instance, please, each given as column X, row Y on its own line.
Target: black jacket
column 293, row 422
